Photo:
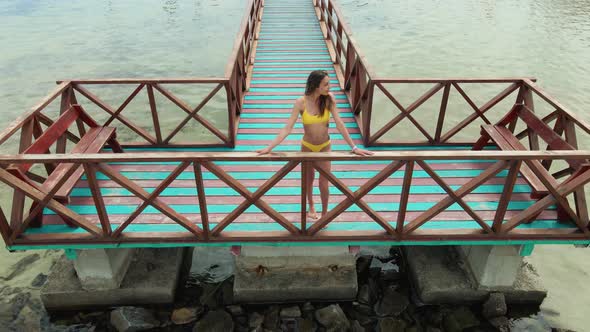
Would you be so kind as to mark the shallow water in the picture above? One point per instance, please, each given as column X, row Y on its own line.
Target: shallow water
column 45, row 40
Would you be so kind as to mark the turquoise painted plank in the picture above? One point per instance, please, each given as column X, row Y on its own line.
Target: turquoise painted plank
column 289, row 137
column 286, row 81
column 278, row 63
column 282, row 115
column 290, row 53
column 189, row 175
column 269, row 227
column 294, row 244
column 279, row 90
column 258, row 49
column 286, row 191
column 294, row 208
column 293, row 69
column 249, row 97
column 305, row 75
column 321, row 57
column 342, row 162
column 527, row 249
column 281, row 125
column 385, row 148
column 287, row 97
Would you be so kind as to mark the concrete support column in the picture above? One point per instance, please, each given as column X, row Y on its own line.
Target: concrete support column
column 493, row 266
column 275, row 274
column 101, row 269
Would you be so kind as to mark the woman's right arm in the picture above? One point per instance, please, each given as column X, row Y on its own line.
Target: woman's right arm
column 297, row 106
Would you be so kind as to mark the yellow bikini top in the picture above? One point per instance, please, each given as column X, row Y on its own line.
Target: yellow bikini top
column 307, row 118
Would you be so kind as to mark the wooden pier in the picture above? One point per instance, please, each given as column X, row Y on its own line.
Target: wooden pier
column 96, row 190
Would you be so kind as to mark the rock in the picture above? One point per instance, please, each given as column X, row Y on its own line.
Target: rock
column 215, row 321
column 255, row 320
column 290, row 312
column 306, row 325
column 495, row 306
column 73, row 328
column 362, row 267
column 307, row 307
column 271, row 318
column 389, row 324
column 210, row 296
column 460, row 319
column 39, row 280
column 375, row 268
column 186, row 315
column 131, row 319
column 19, row 267
column 500, row 323
column 529, row 325
column 27, row 320
column 434, row 317
column 392, row 304
column 227, row 292
column 389, row 272
column 235, row 310
column 364, row 295
column 332, row 318
column 355, row 326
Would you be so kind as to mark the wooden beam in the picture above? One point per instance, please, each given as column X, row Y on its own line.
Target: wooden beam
column 52, row 204
column 506, row 195
column 141, row 193
column 447, row 201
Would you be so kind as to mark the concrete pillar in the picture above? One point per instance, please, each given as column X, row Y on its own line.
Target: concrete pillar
column 291, row 273
column 101, row 269
column 493, row 266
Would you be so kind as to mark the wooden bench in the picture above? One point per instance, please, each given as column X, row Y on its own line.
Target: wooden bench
column 92, row 141
column 506, row 140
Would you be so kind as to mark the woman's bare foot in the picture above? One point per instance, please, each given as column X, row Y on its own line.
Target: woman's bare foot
column 313, row 215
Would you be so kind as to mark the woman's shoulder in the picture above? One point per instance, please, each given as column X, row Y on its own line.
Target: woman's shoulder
column 300, row 102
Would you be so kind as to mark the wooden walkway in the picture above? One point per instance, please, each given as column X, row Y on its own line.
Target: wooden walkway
column 290, row 45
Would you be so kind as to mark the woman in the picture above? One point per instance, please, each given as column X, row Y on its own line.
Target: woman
column 315, row 108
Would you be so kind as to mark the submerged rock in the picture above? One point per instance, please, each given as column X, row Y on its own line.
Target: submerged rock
column 182, row 316
column 392, row 304
column 460, row 319
column 332, row 318
column 215, row 321
column 131, row 319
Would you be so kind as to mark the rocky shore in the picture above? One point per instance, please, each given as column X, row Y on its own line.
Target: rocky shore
column 385, row 302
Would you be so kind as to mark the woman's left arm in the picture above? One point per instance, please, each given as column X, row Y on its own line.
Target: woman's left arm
column 344, row 131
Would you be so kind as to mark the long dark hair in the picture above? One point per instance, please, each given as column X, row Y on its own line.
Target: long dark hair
column 313, row 82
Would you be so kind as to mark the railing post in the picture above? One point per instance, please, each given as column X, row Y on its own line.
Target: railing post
column 366, row 113
column 66, row 102
column 18, row 199
column 528, row 102
column 441, row 114
column 232, row 110
column 202, row 199
column 155, row 120
column 305, row 169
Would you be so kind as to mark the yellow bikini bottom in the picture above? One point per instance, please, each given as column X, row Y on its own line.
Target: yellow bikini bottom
column 315, row 147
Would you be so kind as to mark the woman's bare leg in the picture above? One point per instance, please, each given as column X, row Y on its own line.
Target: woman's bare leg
column 311, row 213
column 324, row 184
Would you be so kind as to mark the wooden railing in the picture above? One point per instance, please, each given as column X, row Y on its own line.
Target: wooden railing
column 403, row 227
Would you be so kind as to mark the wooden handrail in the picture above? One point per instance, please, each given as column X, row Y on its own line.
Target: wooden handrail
column 414, row 155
